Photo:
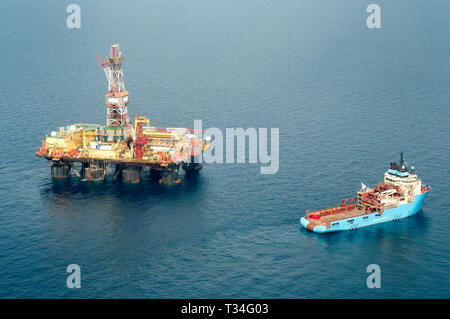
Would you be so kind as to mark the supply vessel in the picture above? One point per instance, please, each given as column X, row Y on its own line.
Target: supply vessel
column 401, row 195
column 91, row 150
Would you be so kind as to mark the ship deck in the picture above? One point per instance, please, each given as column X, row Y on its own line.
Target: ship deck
column 325, row 220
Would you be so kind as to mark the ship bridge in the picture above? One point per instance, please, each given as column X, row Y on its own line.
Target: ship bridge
column 405, row 179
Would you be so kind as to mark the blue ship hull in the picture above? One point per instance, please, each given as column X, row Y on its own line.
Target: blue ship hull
column 388, row 215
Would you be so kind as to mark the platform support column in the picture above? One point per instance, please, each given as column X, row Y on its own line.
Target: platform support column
column 169, row 176
column 131, row 174
column 95, row 171
column 84, row 166
column 192, row 166
column 60, row 170
column 118, row 171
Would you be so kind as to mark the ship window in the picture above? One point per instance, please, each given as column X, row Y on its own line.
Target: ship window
column 365, row 217
column 350, row 220
column 334, row 224
column 377, row 214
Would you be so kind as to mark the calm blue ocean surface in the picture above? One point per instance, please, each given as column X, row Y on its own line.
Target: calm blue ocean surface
column 345, row 98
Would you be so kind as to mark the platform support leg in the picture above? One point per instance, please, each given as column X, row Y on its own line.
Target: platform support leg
column 84, row 167
column 169, row 176
column 131, row 174
column 74, row 169
column 118, row 171
column 192, row 166
column 60, row 170
column 95, row 171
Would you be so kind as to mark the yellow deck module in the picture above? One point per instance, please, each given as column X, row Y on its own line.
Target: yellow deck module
column 56, row 142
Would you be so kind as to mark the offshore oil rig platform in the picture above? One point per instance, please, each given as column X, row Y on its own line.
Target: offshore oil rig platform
column 127, row 147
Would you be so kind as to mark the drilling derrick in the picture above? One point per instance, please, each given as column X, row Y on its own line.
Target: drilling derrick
column 117, row 98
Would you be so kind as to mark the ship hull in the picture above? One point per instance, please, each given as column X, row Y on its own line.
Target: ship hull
column 388, row 215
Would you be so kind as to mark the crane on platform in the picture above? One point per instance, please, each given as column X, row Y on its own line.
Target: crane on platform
column 140, row 141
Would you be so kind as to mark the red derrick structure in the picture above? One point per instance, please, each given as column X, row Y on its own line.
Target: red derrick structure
column 117, row 97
